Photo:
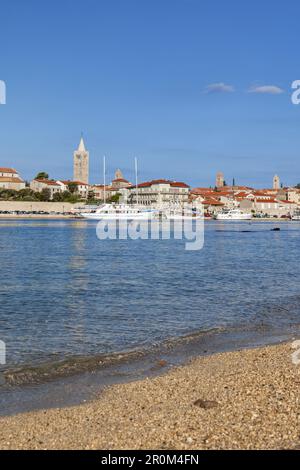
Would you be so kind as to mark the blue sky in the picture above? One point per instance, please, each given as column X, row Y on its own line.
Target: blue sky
column 165, row 80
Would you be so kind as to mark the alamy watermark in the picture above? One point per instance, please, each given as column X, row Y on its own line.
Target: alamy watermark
column 2, row 92
column 191, row 231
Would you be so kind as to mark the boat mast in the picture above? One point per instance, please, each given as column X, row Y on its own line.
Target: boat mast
column 136, row 181
column 104, row 179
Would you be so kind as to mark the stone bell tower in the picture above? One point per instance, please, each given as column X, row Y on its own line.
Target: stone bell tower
column 81, row 163
column 220, row 181
column 276, row 182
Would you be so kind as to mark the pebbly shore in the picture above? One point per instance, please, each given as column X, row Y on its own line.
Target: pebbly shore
column 249, row 399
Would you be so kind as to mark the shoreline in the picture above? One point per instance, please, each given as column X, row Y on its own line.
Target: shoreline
column 30, row 387
column 72, row 217
column 246, row 399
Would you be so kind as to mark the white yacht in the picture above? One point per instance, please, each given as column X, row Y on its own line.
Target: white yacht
column 119, row 212
column 296, row 215
column 181, row 213
column 233, row 214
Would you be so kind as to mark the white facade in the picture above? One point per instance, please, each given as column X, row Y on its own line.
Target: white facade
column 10, row 179
column 159, row 193
column 82, row 188
column 271, row 207
column 39, row 184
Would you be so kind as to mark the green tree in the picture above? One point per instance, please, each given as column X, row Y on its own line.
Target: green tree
column 42, row 176
column 91, row 196
column 45, row 195
column 72, row 187
column 66, row 196
column 58, row 197
column 115, row 198
column 26, row 195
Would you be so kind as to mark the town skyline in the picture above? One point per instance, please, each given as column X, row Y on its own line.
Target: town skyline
column 74, row 175
column 185, row 104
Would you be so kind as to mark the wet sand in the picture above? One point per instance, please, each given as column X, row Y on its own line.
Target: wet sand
column 248, row 399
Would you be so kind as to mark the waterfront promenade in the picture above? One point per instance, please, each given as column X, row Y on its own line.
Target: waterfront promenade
column 37, row 210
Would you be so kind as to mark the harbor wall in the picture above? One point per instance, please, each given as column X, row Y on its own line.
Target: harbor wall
column 38, row 206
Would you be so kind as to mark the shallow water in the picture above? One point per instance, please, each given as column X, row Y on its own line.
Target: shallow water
column 64, row 294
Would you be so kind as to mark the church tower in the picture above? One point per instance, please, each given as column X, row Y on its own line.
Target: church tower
column 220, row 182
column 119, row 175
column 276, row 182
column 81, row 163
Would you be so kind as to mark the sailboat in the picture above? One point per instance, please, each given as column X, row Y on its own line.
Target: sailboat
column 120, row 212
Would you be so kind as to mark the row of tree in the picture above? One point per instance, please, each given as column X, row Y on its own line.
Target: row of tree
column 28, row 194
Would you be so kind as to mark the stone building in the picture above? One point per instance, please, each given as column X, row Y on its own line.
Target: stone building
column 119, row 181
column 81, row 163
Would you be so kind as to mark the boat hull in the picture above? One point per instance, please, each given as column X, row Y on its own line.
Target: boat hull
column 183, row 217
column 120, row 217
column 234, row 217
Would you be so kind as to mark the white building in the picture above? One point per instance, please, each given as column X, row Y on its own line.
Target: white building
column 10, row 179
column 159, row 193
column 38, row 185
column 269, row 207
column 82, row 188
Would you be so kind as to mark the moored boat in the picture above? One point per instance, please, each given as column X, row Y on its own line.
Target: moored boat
column 119, row 212
column 233, row 214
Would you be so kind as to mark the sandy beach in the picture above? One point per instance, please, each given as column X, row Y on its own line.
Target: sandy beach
column 239, row 400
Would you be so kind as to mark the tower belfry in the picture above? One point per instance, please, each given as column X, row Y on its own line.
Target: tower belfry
column 81, row 163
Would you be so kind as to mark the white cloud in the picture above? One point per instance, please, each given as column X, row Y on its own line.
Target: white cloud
column 266, row 89
column 219, row 88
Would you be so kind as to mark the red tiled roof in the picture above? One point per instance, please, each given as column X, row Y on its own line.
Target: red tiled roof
column 178, row 184
column 174, row 184
column 242, row 193
column 80, row 183
column 225, row 194
column 76, row 182
column 261, row 193
column 272, row 200
column 212, row 202
column 47, row 182
column 120, row 180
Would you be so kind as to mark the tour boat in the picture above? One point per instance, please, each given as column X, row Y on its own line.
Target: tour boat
column 120, row 212
column 233, row 214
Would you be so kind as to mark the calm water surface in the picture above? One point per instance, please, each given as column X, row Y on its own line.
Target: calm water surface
column 64, row 293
